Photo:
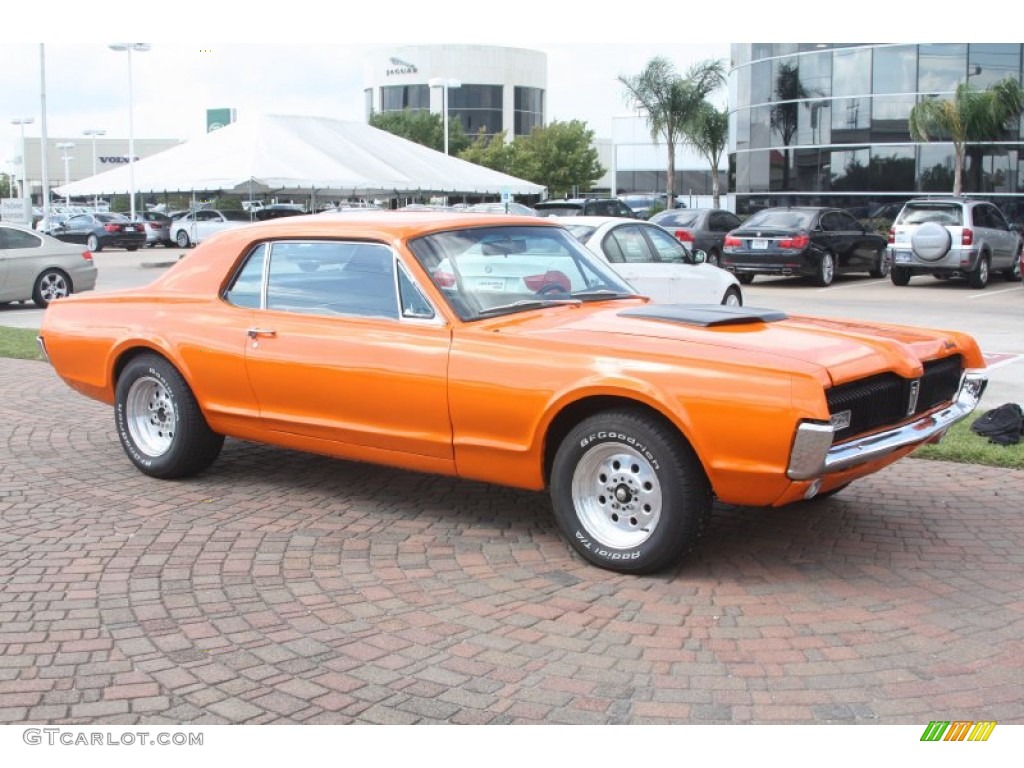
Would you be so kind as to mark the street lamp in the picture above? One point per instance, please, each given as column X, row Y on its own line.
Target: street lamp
column 93, row 133
column 23, row 121
column 129, row 47
column 444, row 83
column 66, row 145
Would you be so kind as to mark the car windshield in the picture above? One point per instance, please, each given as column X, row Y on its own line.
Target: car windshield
column 497, row 270
column 780, row 217
column 946, row 215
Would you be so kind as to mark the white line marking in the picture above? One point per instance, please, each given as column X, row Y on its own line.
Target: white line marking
column 993, row 293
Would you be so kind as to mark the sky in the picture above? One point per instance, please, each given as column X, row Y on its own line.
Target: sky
column 308, row 59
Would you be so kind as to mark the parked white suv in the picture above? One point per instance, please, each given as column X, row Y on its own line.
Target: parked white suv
column 953, row 237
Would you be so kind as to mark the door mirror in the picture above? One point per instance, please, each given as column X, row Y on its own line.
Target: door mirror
column 699, row 257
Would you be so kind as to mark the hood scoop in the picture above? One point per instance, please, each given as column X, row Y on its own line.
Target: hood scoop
column 705, row 315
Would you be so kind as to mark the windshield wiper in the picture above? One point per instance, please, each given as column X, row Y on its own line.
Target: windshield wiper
column 515, row 306
column 603, row 293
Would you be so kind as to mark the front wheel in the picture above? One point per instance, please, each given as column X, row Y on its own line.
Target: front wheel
column 745, row 278
column 93, row 244
column 51, row 284
column 628, row 492
column 733, row 297
column 159, row 422
column 182, row 239
column 883, row 266
column 713, row 257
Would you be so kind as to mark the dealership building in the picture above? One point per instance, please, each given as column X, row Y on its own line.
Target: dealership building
column 821, row 123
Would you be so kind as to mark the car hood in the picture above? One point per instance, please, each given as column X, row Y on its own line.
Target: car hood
column 837, row 351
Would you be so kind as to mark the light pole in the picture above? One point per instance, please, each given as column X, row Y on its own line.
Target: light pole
column 129, row 47
column 444, row 83
column 93, row 133
column 65, row 146
column 23, row 121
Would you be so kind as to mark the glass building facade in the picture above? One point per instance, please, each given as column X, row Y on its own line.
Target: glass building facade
column 499, row 89
column 827, row 124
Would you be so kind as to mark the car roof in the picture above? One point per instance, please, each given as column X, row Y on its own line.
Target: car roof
column 597, row 221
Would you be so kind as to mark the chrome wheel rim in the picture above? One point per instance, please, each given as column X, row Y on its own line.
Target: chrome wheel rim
column 732, row 300
column 617, row 495
column 53, row 287
column 150, row 416
column 827, row 268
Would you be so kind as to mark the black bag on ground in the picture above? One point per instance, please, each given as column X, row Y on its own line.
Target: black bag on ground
column 1002, row 425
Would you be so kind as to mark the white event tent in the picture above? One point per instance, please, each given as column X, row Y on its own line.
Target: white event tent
column 305, row 155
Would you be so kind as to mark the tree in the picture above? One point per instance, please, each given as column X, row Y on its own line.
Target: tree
column 561, row 156
column 969, row 116
column 708, row 132
column 423, row 127
column 670, row 102
column 491, row 152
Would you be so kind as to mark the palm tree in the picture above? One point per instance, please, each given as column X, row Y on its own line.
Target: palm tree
column 970, row 116
column 708, row 133
column 670, row 101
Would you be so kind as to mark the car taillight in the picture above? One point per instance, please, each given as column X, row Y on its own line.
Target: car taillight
column 731, row 242
column 892, row 234
column 87, row 255
column 444, row 279
column 548, row 279
column 967, row 236
column 800, row 241
column 684, row 235
column 112, row 227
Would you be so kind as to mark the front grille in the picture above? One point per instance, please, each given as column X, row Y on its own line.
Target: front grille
column 885, row 399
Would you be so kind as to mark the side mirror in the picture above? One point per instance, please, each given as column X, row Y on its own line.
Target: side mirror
column 699, row 257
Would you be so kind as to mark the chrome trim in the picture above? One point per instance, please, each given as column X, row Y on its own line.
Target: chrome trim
column 42, row 349
column 804, row 465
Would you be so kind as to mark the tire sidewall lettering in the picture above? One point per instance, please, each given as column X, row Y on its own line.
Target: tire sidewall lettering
column 138, row 457
column 608, row 554
column 620, row 437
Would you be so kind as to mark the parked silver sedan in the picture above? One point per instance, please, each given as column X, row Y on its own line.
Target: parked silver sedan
column 36, row 266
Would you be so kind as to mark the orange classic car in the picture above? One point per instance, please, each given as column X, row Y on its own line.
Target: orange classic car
column 497, row 348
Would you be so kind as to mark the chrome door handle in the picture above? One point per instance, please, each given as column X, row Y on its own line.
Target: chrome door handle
column 256, row 332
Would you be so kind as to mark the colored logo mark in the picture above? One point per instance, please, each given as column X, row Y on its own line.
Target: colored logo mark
column 958, row 730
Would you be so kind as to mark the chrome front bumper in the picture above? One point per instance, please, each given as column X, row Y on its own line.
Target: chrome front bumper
column 814, row 456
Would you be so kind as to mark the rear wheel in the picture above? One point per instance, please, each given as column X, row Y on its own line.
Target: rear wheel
column 900, row 276
column 51, row 284
column 826, row 270
column 182, row 239
column 93, row 244
column 745, row 279
column 628, row 492
column 978, row 279
column 713, row 257
column 159, row 422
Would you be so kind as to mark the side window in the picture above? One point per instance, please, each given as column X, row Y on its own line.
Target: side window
column 997, row 218
column 414, row 303
column 667, row 247
column 829, row 222
column 16, row 239
column 632, row 245
column 332, row 278
column 246, row 288
column 729, row 222
column 611, row 249
column 844, row 222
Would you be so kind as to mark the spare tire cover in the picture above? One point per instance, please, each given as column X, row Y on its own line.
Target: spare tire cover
column 931, row 241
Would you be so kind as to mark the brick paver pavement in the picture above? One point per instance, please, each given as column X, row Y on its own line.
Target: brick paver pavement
column 286, row 588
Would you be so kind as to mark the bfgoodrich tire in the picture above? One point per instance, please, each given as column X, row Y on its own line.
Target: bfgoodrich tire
column 628, row 492
column 159, row 423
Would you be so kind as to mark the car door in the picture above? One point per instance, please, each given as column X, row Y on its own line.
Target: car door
column 1003, row 241
column 849, row 242
column 77, row 229
column 338, row 351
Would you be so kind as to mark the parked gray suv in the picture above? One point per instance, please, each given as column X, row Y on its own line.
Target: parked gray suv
column 953, row 237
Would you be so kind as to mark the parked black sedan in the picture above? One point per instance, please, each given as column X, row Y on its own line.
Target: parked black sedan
column 101, row 230
column 811, row 242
